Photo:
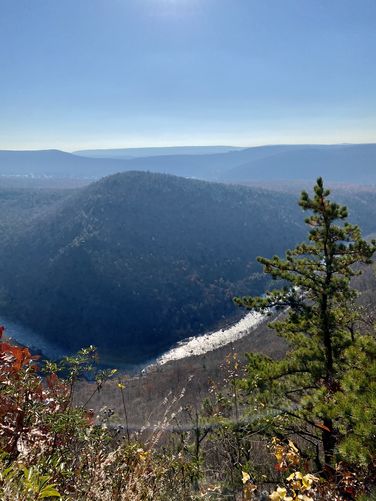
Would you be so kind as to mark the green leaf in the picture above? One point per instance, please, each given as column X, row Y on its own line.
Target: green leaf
column 49, row 492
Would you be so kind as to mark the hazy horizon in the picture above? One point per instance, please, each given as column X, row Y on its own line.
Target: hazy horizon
column 188, row 145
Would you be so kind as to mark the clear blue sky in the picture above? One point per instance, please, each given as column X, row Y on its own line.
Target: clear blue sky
column 116, row 73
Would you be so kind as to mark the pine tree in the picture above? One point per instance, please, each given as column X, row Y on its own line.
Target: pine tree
column 322, row 381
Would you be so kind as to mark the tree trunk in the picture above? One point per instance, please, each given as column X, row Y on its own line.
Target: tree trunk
column 328, row 441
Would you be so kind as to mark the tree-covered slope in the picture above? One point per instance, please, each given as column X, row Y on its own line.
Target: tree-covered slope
column 137, row 261
column 20, row 206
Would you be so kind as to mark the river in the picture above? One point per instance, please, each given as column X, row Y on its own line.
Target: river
column 27, row 337
column 196, row 345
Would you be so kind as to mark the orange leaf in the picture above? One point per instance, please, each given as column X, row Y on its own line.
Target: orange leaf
column 21, row 355
column 323, row 427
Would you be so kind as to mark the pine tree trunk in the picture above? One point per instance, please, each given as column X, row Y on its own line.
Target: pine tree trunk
column 328, row 441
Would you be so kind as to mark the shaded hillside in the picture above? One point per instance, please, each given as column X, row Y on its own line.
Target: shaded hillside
column 137, row 261
column 19, row 206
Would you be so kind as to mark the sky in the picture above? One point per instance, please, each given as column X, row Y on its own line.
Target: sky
column 129, row 73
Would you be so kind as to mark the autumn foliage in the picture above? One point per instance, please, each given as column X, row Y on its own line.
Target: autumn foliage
column 51, row 448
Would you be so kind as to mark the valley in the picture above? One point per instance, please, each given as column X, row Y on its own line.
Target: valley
column 139, row 261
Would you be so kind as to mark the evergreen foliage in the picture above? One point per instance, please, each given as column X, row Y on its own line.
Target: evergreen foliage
column 324, row 388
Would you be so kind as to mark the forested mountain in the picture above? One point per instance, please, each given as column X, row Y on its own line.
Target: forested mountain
column 354, row 164
column 137, row 261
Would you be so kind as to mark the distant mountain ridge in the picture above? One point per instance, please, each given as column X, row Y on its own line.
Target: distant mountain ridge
column 341, row 163
column 55, row 163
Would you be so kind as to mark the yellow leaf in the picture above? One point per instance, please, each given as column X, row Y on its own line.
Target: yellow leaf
column 245, row 477
column 274, row 496
column 279, row 453
column 311, row 477
column 297, row 475
column 142, row 454
column 308, row 480
column 293, row 447
column 282, row 492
